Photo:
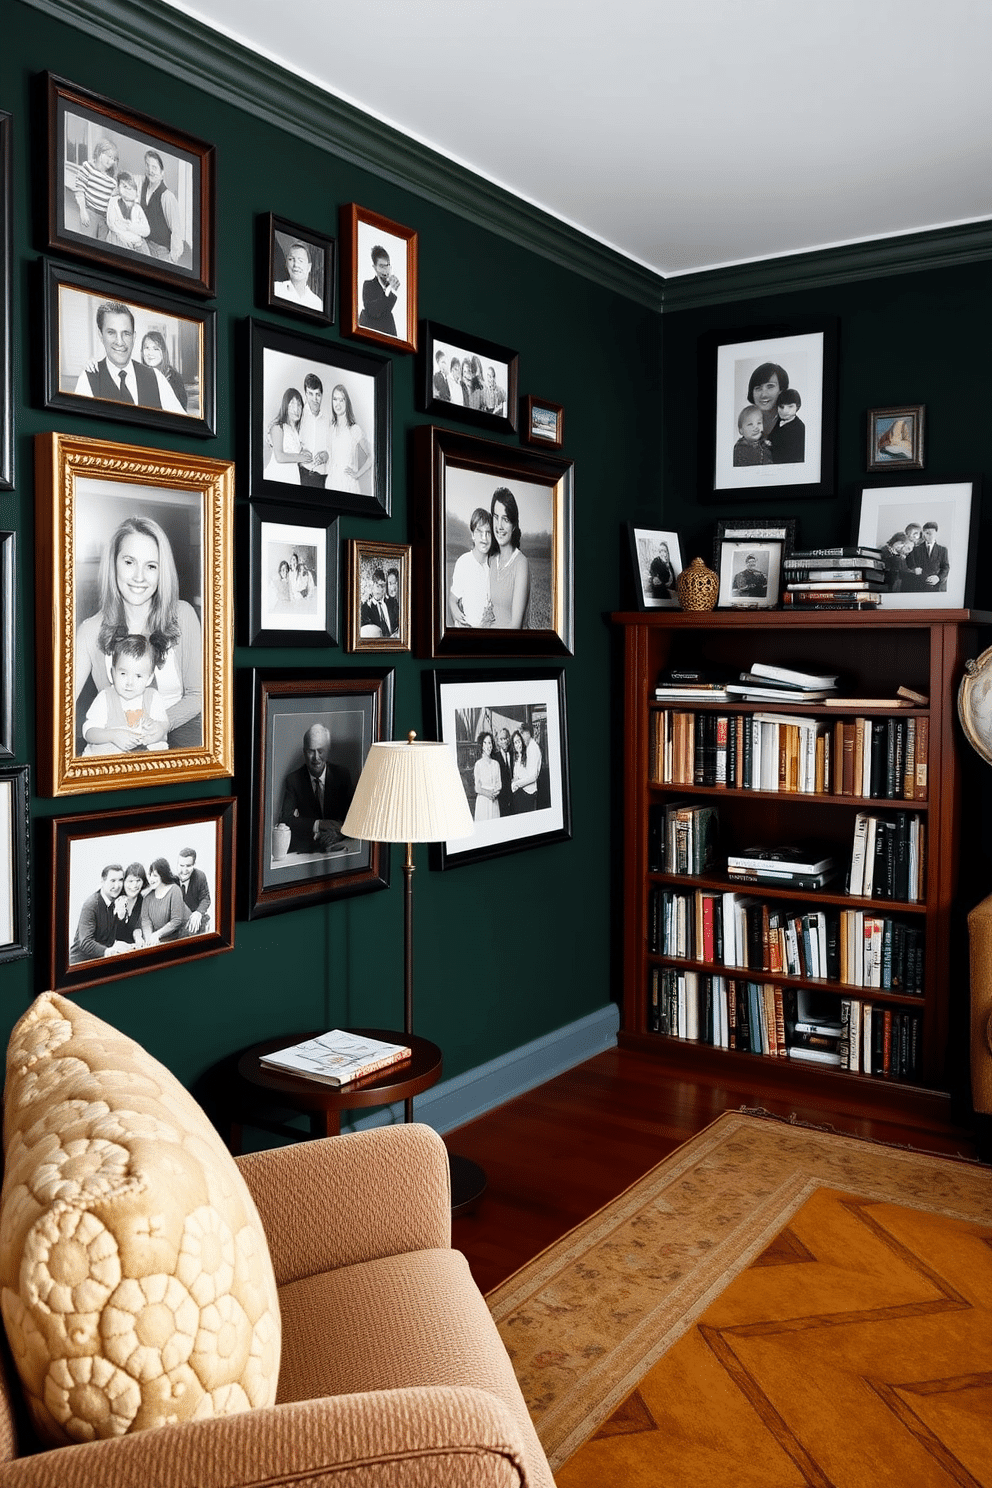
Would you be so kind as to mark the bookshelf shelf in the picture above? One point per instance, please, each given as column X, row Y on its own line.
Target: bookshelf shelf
column 920, row 649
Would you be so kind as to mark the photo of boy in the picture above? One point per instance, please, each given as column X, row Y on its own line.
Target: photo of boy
column 130, row 713
column 750, row 449
column 127, row 223
column 787, row 436
column 470, row 601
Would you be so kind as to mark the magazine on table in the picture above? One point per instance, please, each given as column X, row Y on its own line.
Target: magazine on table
column 337, row 1057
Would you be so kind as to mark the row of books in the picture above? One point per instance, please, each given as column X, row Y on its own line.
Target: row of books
column 883, row 758
column 759, row 1018
column 888, row 858
column 682, row 837
column 853, row 947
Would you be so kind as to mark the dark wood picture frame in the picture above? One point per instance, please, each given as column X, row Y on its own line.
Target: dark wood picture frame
column 189, row 177
column 306, row 614
column 456, row 474
column 15, row 845
column 276, row 709
column 360, row 232
column 277, row 237
column 275, row 356
column 896, row 438
column 72, row 300
column 85, row 491
column 444, row 341
column 459, row 708
column 393, row 559
column 732, row 365
column 83, row 846
column 542, row 423
column 6, row 303
column 8, row 647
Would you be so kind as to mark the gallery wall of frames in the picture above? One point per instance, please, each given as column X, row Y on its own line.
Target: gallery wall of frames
column 255, row 397
column 330, row 378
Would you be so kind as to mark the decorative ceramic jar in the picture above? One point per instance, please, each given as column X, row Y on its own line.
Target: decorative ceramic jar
column 698, row 586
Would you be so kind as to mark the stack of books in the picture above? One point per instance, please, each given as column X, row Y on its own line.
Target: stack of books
column 691, row 685
column 783, row 867
column 766, row 683
column 814, row 1035
column 834, row 579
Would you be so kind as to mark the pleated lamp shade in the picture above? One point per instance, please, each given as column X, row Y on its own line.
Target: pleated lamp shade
column 409, row 792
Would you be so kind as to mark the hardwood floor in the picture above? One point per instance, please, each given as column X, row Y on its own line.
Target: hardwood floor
column 558, row 1153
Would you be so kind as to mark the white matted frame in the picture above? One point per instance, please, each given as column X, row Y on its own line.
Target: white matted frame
column 293, row 576
column 750, row 572
column 657, row 562
column 942, row 578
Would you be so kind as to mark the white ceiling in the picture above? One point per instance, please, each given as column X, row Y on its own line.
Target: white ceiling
column 684, row 135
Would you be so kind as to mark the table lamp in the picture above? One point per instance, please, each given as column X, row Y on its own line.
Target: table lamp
column 412, row 792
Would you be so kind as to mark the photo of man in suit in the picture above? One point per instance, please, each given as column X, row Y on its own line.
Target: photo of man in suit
column 504, row 758
column 195, row 891
column 930, row 561
column 374, row 618
column 117, row 376
column 379, row 295
column 316, row 796
column 96, row 933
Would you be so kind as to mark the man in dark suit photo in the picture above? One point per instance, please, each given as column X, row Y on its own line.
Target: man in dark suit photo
column 195, row 891
column 931, row 560
column 504, row 758
column 96, row 933
column 374, row 618
column 316, row 796
column 379, row 295
column 117, row 375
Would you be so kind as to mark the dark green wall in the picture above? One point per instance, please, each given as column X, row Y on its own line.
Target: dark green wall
column 505, row 951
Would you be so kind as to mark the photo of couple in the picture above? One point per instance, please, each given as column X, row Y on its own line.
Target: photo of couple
column 498, row 552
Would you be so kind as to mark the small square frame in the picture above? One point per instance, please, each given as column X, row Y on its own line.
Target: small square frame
column 738, row 589
column 305, row 613
column 360, row 232
column 82, row 846
column 542, row 423
column 363, row 559
column 896, row 438
column 655, row 575
column 15, row 847
column 440, row 340
column 277, row 238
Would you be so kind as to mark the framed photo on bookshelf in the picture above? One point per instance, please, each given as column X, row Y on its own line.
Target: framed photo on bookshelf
column 656, row 560
column 750, row 571
column 931, row 529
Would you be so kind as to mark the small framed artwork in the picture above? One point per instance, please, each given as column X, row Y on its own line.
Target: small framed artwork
column 657, row 562
column 310, row 734
column 8, row 650
column 510, row 736
column 778, row 529
column 378, row 279
column 138, row 889
column 300, row 270
column 542, row 423
column 750, row 571
column 768, row 410
column 378, row 596
column 15, row 853
column 494, row 561
column 464, row 377
column 134, row 615
column 113, row 352
column 320, row 416
column 895, row 437
column 293, row 576
column 6, row 306
column 927, row 533
column 129, row 191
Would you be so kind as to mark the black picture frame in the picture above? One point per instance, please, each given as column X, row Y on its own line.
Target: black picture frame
column 654, row 584
column 313, row 300
column 274, row 357
column 15, row 847
column 82, row 847
column 183, row 332
column 778, row 529
column 304, row 613
column 896, row 438
column 78, row 121
column 459, row 708
column 728, row 363
column 441, row 341
column 884, row 508
column 6, row 303
column 8, row 639
column 456, row 474
column 277, row 708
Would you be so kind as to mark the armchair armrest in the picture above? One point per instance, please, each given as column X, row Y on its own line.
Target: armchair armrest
column 340, row 1200
column 463, row 1438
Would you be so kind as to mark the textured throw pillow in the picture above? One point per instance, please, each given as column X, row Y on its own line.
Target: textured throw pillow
column 136, row 1282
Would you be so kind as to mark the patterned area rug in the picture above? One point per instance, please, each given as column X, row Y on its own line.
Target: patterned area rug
column 587, row 1320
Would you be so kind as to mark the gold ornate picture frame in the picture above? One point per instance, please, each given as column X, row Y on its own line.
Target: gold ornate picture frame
column 134, row 562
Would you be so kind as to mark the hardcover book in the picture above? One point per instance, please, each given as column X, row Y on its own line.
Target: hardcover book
column 336, row 1058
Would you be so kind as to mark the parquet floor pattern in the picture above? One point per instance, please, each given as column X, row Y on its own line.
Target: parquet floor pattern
column 854, row 1352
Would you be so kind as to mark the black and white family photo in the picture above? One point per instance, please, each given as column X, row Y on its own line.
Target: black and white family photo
column 925, row 534
column 657, row 560
column 498, row 552
column 465, row 377
column 378, row 596
column 294, row 584
column 468, row 381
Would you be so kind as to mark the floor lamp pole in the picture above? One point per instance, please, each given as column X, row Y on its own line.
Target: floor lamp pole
column 408, row 871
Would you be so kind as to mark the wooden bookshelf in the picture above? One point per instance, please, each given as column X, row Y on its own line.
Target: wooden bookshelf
column 874, row 654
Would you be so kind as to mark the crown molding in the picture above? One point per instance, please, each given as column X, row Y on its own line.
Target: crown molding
column 188, row 50
column 911, row 253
